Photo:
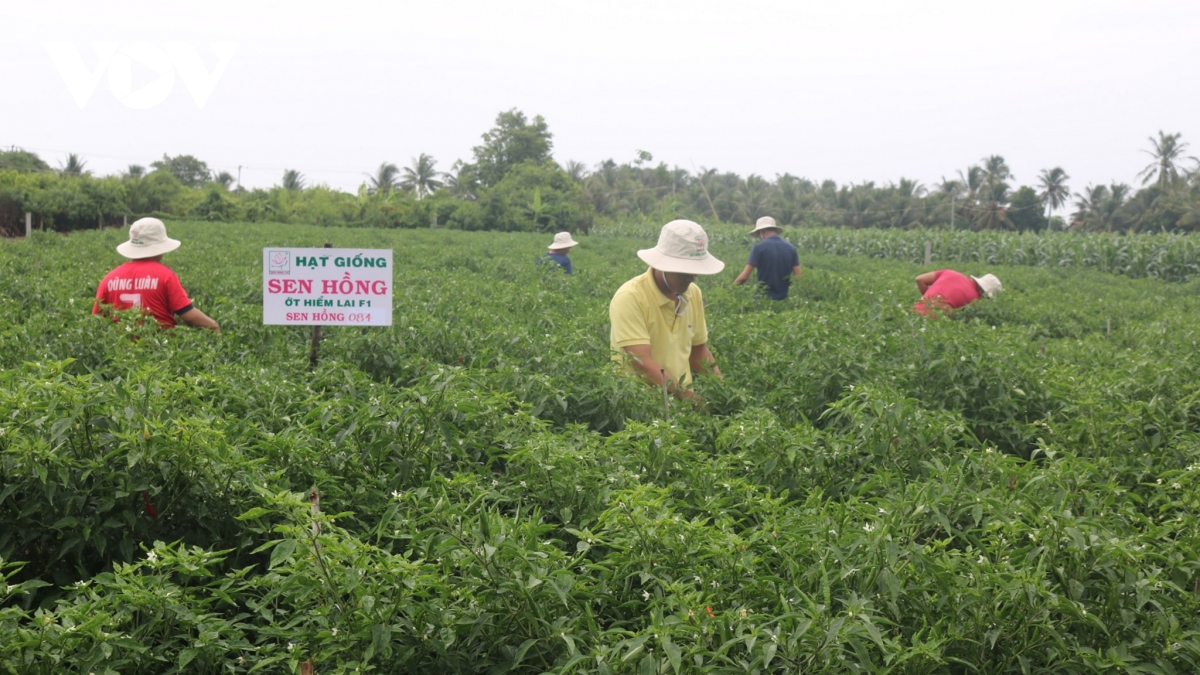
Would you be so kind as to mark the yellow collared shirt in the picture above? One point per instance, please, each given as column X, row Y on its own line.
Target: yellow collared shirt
column 641, row 315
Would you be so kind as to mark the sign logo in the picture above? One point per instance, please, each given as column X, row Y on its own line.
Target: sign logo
column 281, row 262
column 163, row 61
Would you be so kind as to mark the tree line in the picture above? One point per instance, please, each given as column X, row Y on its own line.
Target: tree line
column 513, row 183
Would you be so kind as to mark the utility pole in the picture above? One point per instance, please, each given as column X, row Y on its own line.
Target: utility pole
column 951, row 212
column 239, row 176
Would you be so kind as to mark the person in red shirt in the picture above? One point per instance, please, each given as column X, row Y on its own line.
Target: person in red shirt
column 146, row 283
column 946, row 289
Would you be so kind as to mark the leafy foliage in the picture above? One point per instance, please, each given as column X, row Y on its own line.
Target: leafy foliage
column 22, row 160
column 1025, row 211
column 536, row 197
column 1012, row 489
column 514, row 141
column 981, row 198
column 186, row 169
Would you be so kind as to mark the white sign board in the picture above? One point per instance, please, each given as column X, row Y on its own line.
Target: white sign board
column 327, row 287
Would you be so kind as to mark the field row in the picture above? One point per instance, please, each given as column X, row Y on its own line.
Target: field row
column 1170, row 257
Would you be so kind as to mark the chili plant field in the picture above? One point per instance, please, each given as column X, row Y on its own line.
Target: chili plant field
column 1172, row 257
column 1011, row 489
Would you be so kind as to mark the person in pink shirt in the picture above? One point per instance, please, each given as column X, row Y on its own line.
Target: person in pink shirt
column 943, row 290
column 144, row 282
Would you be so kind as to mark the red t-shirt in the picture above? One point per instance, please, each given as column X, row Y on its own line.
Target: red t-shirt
column 949, row 289
column 148, row 284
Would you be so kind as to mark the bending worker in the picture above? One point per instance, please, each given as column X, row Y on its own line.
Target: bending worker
column 946, row 289
column 560, row 250
column 775, row 258
column 658, row 317
column 144, row 282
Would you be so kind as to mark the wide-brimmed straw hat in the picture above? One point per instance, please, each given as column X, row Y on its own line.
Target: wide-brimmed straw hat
column 147, row 238
column 764, row 223
column 682, row 248
column 989, row 283
column 562, row 240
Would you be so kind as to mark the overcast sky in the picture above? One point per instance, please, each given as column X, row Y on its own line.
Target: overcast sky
column 869, row 90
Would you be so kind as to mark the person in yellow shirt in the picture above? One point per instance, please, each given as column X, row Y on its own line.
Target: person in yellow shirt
column 657, row 318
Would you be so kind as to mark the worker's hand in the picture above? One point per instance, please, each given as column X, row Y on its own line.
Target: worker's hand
column 695, row 399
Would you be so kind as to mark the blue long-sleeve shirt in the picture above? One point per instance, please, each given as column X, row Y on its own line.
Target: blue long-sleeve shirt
column 561, row 260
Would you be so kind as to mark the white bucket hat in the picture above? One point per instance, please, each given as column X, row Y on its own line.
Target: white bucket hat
column 147, row 238
column 562, row 240
column 990, row 284
column 764, row 223
column 682, row 248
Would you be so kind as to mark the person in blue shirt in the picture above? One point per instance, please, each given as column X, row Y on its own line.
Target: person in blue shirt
column 560, row 250
column 776, row 260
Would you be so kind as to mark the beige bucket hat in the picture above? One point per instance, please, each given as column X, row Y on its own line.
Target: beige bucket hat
column 764, row 223
column 562, row 240
column 990, row 284
column 682, row 248
column 147, row 238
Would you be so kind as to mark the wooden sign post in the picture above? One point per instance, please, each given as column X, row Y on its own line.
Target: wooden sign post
column 314, row 351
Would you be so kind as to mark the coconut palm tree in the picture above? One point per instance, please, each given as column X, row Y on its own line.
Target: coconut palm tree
column 995, row 169
column 1054, row 189
column 293, row 180
column 602, row 188
column 421, row 177
column 855, row 204
column 1167, row 151
column 225, row 179
column 905, row 203
column 953, row 191
column 1099, row 206
column 73, row 166
column 994, row 212
column 704, row 179
column 135, row 171
column 384, row 180
column 576, row 170
column 1088, row 203
column 724, row 191
column 1119, row 193
column 972, row 182
column 463, row 180
column 951, row 187
column 790, row 198
column 751, row 198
